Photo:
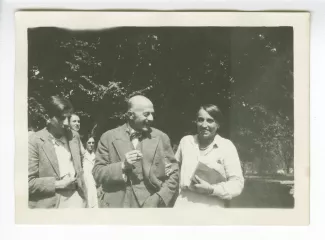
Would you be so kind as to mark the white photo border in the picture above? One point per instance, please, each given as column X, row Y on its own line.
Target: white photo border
column 80, row 20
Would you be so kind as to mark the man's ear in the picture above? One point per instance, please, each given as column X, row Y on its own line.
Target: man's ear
column 47, row 118
column 129, row 115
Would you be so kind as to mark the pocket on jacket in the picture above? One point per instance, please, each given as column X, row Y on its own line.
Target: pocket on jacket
column 51, row 202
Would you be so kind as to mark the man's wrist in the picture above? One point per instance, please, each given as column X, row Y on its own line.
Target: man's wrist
column 126, row 166
column 124, row 174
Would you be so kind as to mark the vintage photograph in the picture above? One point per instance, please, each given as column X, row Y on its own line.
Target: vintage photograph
column 178, row 117
column 219, row 96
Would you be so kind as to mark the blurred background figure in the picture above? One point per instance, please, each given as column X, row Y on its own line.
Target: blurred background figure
column 88, row 164
column 75, row 122
column 88, row 157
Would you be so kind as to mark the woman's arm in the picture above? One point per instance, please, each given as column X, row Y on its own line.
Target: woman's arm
column 170, row 185
column 178, row 154
column 178, row 157
column 235, row 180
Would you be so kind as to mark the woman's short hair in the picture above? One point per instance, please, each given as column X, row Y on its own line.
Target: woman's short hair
column 89, row 136
column 214, row 112
column 58, row 106
column 73, row 114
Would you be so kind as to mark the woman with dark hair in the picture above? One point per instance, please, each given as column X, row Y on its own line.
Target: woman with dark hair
column 74, row 122
column 210, row 167
column 55, row 174
column 88, row 164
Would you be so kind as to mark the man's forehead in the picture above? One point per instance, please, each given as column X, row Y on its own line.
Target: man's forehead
column 143, row 108
column 140, row 102
column 142, row 105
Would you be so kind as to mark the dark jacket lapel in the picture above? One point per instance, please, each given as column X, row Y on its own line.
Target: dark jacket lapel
column 122, row 143
column 149, row 147
column 74, row 144
column 49, row 150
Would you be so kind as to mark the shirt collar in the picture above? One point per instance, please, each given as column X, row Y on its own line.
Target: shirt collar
column 89, row 154
column 56, row 141
column 216, row 141
column 139, row 134
column 129, row 129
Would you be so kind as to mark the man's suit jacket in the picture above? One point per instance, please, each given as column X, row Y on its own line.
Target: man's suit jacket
column 107, row 171
column 43, row 169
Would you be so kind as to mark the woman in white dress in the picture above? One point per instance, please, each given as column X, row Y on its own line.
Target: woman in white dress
column 88, row 164
column 216, row 152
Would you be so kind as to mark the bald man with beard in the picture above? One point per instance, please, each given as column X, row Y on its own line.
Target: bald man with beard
column 130, row 162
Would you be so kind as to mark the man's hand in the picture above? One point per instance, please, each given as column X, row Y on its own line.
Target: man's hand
column 66, row 182
column 201, row 186
column 131, row 158
column 152, row 201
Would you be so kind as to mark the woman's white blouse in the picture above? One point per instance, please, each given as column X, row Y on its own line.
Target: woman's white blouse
column 221, row 155
column 68, row 198
column 88, row 164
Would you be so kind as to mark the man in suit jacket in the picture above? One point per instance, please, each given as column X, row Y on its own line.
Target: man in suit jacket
column 55, row 175
column 130, row 162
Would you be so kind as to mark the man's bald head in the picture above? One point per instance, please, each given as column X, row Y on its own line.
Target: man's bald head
column 138, row 102
column 140, row 112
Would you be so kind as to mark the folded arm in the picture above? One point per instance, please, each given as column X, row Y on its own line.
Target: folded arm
column 235, row 180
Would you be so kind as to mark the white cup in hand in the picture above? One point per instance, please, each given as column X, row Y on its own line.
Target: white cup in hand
column 132, row 157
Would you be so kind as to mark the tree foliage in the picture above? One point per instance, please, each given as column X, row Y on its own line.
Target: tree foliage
column 247, row 72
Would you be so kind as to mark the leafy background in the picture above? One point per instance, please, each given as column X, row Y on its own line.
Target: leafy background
column 247, row 72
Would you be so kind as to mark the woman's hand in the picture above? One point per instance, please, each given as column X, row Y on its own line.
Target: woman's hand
column 168, row 169
column 201, row 186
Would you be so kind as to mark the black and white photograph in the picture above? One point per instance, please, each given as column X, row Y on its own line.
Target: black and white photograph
column 172, row 117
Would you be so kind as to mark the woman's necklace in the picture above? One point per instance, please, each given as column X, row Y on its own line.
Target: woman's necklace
column 203, row 148
column 206, row 147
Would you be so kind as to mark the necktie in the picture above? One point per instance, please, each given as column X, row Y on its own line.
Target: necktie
column 135, row 135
